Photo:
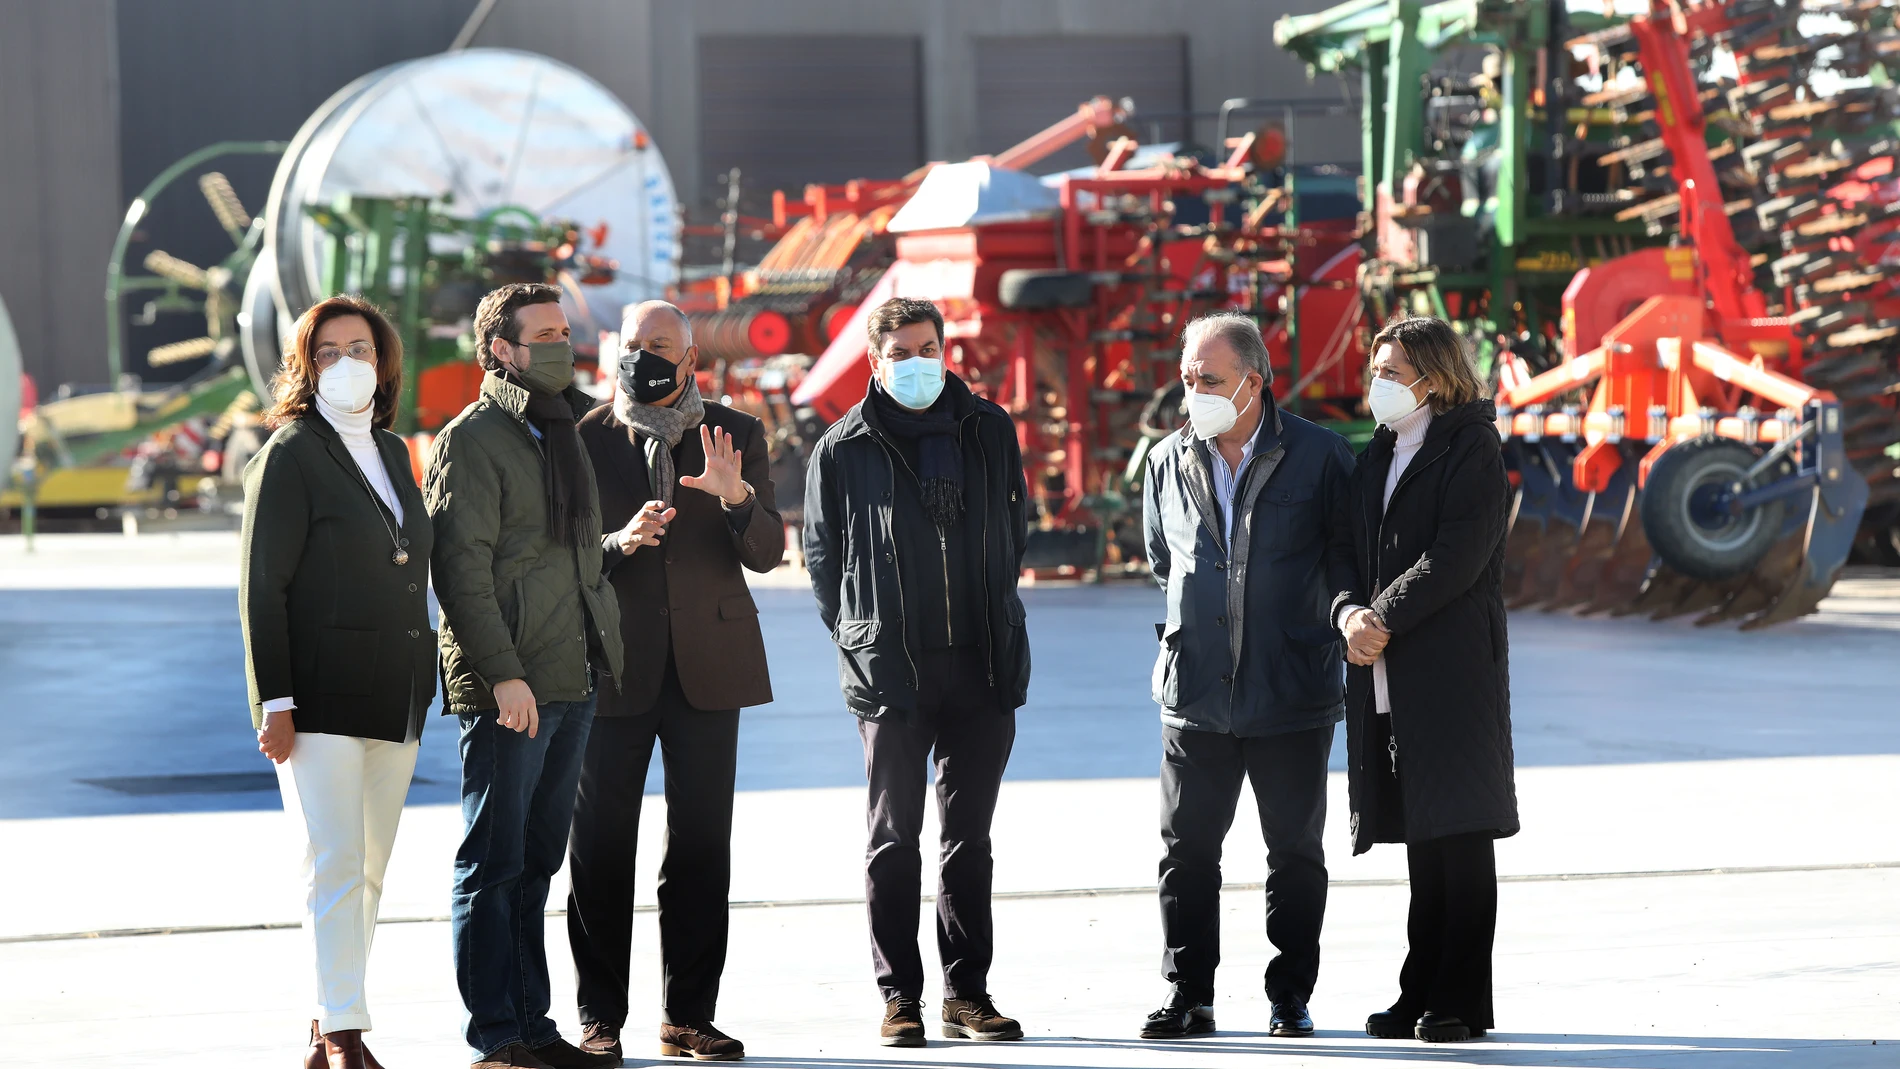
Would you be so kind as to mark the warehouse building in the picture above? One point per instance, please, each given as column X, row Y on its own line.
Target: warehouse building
column 99, row 96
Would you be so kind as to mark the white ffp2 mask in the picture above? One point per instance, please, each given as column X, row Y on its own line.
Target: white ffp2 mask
column 1391, row 401
column 349, row 384
column 1212, row 415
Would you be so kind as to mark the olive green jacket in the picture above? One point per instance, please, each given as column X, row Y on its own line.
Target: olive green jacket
column 329, row 619
column 515, row 603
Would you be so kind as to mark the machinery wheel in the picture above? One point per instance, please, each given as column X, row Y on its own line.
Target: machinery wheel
column 1685, row 510
column 1036, row 288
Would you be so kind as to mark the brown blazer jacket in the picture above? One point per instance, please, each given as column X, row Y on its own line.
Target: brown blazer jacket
column 686, row 596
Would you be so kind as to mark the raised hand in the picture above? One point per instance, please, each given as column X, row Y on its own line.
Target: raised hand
column 721, row 477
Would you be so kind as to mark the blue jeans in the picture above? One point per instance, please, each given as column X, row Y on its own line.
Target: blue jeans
column 517, row 803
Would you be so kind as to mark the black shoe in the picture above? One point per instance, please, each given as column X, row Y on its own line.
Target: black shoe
column 1392, row 1024
column 1290, row 1019
column 561, row 1054
column 1180, row 1018
column 1444, row 1028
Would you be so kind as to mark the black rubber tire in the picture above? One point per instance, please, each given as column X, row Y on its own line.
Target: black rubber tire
column 1703, row 550
column 1035, row 288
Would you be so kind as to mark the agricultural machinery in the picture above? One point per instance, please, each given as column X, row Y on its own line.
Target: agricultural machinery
column 1701, row 425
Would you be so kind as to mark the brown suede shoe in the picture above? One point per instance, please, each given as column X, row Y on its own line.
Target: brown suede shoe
column 512, row 1056
column 602, row 1038
column 343, row 1049
column 903, row 1023
column 976, row 1018
column 314, row 1057
column 700, row 1042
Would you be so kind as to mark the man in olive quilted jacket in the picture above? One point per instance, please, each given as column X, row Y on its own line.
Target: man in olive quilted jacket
column 527, row 618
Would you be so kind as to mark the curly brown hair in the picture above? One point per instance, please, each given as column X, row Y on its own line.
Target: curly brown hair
column 294, row 387
column 495, row 317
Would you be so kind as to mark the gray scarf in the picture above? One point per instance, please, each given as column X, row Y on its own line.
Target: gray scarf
column 662, row 425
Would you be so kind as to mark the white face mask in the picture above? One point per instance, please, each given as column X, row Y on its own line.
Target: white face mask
column 348, row 384
column 1212, row 415
column 916, row 382
column 1392, row 401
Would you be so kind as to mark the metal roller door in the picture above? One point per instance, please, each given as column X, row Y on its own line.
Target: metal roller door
column 788, row 110
column 1025, row 83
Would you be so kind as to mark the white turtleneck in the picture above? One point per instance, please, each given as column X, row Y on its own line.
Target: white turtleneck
column 359, row 436
column 1411, row 429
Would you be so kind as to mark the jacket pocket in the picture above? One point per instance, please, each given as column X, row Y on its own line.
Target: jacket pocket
column 427, row 669
column 737, row 607
column 346, row 661
column 1014, row 612
column 854, row 634
column 512, row 614
column 1293, row 520
column 1166, row 682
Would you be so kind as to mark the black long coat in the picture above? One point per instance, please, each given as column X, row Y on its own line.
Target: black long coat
column 1431, row 564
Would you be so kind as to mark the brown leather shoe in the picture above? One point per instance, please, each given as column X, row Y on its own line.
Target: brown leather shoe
column 344, row 1049
column 700, row 1042
column 369, row 1060
column 314, row 1057
column 976, row 1018
column 903, row 1023
column 512, row 1056
column 602, row 1038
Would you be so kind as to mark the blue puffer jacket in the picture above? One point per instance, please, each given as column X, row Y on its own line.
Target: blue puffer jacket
column 1247, row 647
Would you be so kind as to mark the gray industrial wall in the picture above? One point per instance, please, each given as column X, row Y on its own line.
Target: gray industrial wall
column 98, row 96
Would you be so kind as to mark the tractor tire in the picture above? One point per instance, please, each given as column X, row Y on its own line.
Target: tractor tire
column 1032, row 289
column 1683, row 515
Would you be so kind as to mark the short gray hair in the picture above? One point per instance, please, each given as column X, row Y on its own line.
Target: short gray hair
column 1239, row 331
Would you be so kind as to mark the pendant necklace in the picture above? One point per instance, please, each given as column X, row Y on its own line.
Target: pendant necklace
column 400, row 556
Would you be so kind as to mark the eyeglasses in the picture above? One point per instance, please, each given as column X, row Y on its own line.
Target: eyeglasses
column 330, row 354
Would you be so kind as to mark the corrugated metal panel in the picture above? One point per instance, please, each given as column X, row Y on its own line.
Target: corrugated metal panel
column 197, row 71
column 59, row 182
column 787, row 110
column 1025, row 83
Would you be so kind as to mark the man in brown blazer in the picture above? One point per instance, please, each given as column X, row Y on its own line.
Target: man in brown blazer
column 687, row 501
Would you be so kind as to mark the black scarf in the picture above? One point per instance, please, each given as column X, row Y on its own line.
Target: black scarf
column 939, row 450
column 567, row 483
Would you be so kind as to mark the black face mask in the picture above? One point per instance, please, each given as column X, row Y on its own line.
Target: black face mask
column 648, row 377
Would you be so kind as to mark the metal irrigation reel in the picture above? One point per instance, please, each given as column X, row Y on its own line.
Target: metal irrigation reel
column 427, row 183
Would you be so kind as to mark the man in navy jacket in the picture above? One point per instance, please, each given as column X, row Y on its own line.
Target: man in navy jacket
column 1237, row 509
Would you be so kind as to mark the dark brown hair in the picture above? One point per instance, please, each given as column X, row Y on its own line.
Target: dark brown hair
column 294, row 387
column 495, row 316
column 900, row 312
column 1433, row 348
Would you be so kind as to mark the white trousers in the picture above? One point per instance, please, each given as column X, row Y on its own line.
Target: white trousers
column 345, row 794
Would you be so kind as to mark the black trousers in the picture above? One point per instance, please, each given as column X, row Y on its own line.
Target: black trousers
column 1453, row 920
column 971, row 733
column 699, row 749
column 1201, row 773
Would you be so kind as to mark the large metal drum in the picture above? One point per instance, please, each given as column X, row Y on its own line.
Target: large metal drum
column 482, row 129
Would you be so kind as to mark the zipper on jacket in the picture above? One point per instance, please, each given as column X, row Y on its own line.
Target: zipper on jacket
column 1392, row 749
column 989, row 635
column 890, row 533
column 943, row 547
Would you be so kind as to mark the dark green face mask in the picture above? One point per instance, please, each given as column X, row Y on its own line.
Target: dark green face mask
column 550, row 367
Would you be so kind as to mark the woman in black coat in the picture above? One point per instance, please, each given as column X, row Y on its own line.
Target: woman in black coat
column 1428, row 700
column 333, row 600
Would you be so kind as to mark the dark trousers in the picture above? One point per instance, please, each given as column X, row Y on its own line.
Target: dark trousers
column 972, row 734
column 1453, row 920
column 699, row 750
column 517, row 802
column 1201, row 773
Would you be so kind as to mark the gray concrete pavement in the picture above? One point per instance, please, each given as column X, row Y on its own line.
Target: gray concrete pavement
column 1762, row 769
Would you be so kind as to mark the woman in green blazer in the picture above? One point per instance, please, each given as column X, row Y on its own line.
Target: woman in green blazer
column 334, row 600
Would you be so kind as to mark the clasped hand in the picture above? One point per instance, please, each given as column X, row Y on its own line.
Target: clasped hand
column 1366, row 637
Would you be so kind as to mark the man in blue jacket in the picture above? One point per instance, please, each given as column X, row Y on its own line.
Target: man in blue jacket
column 1237, row 510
